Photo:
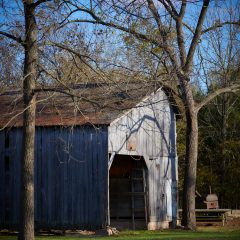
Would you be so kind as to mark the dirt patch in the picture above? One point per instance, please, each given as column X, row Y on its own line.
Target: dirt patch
column 209, row 224
column 78, row 233
column 233, row 223
column 229, row 223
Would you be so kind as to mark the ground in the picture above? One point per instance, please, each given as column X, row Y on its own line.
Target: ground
column 210, row 231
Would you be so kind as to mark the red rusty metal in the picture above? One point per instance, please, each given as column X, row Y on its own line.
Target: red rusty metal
column 92, row 104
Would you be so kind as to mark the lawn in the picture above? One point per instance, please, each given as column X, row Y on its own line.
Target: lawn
column 202, row 234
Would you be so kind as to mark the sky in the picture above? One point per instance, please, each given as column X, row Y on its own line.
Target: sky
column 11, row 12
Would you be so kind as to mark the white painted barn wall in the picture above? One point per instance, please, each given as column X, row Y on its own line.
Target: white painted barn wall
column 152, row 125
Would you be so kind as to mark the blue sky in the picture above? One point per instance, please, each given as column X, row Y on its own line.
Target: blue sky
column 14, row 9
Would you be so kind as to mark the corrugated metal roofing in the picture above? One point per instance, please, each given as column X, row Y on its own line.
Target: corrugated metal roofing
column 82, row 104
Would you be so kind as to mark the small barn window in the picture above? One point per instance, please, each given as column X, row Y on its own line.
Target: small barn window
column 131, row 143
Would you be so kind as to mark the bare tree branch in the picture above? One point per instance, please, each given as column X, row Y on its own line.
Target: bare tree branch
column 20, row 113
column 180, row 34
column 10, row 36
column 79, row 55
column 211, row 96
column 136, row 34
column 68, row 91
column 183, row 8
column 218, row 25
column 215, row 26
column 34, row 5
column 165, row 41
column 178, row 19
column 188, row 27
column 172, row 6
column 67, row 17
column 196, row 36
column 157, row 18
column 172, row 12
column 98, row 20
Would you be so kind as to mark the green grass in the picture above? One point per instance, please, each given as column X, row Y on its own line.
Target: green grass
column 213, row 233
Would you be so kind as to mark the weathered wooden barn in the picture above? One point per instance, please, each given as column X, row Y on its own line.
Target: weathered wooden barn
column 104, row 155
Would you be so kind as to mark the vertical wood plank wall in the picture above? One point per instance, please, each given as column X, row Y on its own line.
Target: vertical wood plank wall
column 70, row 177
column 153, row 125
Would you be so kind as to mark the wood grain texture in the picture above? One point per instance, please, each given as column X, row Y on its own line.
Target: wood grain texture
column 152, row 125
column 70, row 178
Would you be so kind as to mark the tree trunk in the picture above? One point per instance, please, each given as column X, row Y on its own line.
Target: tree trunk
column 27, row 166
column 190, row 171
column 223, row 134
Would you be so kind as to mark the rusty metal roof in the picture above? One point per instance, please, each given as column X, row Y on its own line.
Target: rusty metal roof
column 82, row 104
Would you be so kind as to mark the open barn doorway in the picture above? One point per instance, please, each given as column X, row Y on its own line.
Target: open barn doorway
column 128, row 192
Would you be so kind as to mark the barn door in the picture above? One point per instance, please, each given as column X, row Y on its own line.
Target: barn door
column 128, row 192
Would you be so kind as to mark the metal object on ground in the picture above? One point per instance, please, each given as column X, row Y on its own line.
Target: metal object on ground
column 212, row 201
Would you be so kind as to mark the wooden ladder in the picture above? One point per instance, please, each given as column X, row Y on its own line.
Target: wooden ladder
column 138, row 175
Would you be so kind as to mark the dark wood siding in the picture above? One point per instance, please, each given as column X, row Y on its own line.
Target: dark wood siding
column 2, row 179
column 70, row 177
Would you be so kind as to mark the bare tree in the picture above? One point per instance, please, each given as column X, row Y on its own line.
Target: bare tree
column 30, row 45
column 179, row 39
column 31, row 27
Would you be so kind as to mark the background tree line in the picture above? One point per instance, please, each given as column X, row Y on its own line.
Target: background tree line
column 218, row 161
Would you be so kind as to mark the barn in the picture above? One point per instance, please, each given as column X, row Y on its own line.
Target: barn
column 104, row 155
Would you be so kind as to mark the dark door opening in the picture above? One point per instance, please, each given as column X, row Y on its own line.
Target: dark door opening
column 128, row 192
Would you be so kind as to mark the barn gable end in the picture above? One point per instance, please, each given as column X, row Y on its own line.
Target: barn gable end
column 149, row 130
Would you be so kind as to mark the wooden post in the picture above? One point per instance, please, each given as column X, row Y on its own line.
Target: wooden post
column 110, row 161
